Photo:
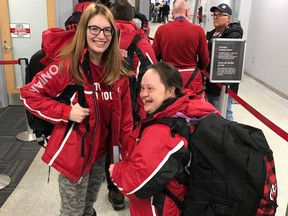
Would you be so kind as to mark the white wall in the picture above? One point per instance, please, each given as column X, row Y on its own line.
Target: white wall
column 144, row 8
column 267, row 44
column 64, row 10
column 36, row 17
column 132, row 2
column 243, row 15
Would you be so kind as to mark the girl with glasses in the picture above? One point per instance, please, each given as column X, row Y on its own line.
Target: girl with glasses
column 92, row 60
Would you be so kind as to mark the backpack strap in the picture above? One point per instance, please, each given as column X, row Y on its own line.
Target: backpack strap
column 192, row 76
column 134, row 85
column 178, row 202
column 132, row 49
column 82, row 103
column 178, row 126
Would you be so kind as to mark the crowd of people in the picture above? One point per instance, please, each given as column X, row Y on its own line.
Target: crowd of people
column 95, row 59
column 160, row 12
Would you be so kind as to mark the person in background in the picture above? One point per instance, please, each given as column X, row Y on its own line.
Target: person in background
column 224, row 28
column 156, row 12
column 123, row 13
column 151, row 8
column 107, row 3
column 104, row 121
column 73, row 20
column 165, row 12
column 183, row 45
column 154, row 160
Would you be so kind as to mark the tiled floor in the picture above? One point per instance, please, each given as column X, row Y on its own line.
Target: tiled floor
column 34, row 196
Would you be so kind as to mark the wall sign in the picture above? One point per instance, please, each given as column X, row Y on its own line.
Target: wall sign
column 20, row 30
column 227, row 60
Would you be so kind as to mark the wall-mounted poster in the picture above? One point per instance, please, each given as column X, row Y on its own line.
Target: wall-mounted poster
column 20, row 30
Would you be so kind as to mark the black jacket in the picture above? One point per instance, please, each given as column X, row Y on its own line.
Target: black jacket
column 233, row 30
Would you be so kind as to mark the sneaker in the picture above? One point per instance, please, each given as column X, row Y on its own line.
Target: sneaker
column 116, row 199
column 93, row 214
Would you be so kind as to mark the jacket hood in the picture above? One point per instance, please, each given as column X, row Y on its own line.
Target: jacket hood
column 53, row 40
column 234, row 27
column 80, row 7
column 127, row 30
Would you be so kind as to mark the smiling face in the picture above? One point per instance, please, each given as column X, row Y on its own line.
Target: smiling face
column 97, row 44
column 153, row 91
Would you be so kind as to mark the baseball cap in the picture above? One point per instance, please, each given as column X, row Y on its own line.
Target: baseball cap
column 224, row 8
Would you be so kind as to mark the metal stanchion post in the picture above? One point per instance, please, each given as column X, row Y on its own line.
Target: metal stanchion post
column 223, row 100
column 26, row 135
column 4, row 181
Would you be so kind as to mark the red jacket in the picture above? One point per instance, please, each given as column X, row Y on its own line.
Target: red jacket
column 183, row 44
column 81, row 6
column 64, row 152
column 153, row 162
column 144, row 54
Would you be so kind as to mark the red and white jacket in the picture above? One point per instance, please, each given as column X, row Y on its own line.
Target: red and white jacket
column 153, row 162
column 144, row 54
column 63, row 151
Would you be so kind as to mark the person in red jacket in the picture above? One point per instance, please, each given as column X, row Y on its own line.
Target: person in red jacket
column 143, row 55
column 153, row 162
column 83, row 134
column 183, row 45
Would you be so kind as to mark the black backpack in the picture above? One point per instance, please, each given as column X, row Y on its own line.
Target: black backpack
column 72, row 21
column 134, row 82
column 231, row 170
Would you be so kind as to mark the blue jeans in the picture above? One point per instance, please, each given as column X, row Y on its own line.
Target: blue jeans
column 215, row 101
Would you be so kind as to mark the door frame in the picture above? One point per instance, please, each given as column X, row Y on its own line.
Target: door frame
column 9, row 74
column 7, row 55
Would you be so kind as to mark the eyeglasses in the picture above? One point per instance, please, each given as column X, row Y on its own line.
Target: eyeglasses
column 95, row 30
column 219, row 15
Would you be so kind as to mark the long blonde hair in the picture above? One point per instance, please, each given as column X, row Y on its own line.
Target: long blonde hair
column 111, row 58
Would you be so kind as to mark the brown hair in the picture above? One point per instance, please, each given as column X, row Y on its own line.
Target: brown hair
column 169, row 76
column 111, row 58
column 122, row 10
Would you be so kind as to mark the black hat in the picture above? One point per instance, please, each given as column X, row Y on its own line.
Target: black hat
column 224, row 8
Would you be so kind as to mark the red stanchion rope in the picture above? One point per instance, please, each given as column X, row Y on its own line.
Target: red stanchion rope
column 3, row 62
column 254, row 112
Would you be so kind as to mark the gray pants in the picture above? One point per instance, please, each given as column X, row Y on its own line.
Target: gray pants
column 77, row 199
